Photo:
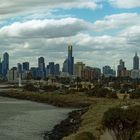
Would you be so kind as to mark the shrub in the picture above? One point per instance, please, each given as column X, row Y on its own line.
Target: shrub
column 85, row 136
column 30, row 87
column 79, row 86
column 116, row 86
column 123, row 122
column 70, row 91
column 135, row 94
column 122, row 90
column 137, row 136
column 100, row 92
column 112, row 95
column 49, row 88
column 83, row 90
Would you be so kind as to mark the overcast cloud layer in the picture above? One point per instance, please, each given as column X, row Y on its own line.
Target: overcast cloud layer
column 29, row 29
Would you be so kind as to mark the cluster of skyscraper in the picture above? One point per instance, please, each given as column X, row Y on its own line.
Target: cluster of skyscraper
column 42, row 71
column 69, row 69
column 134, row 73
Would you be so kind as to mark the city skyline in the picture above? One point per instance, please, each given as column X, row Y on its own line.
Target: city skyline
column 70, row 69
column 41, row 62
column 95, row 28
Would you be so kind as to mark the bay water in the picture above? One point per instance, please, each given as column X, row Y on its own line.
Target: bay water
column 26, row 120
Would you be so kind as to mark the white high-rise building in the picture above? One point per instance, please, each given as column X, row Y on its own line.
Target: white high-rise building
column 12, row 75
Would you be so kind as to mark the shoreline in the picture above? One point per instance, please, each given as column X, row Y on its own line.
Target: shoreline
column 47, row 98
column 67, row 126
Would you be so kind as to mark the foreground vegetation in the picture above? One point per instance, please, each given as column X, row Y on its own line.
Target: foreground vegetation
column 123, row 122
column 59, row 100
column 91, row 120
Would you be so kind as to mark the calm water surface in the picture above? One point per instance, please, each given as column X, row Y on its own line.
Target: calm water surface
column 25, row 120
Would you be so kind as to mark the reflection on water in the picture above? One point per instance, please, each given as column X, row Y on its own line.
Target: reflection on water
column 25, row 120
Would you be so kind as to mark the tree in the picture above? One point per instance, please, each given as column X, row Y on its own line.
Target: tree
column 135, row 94
column 30, row 87
column 124, row 123
column 99, row 91
column 78, row 80
column 49, row 88
column 65, row 80
column 29, row 76
column 89, row 86
column 116, row 86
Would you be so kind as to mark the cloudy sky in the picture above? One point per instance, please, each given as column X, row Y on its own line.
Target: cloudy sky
column 101, row 31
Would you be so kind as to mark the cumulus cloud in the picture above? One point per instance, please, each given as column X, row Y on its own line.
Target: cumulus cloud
column 117, row 21
column 16, row 7
column 125, row 3
column 55, row 28
column 87, row 48
column 25, row 41
column 132, row 35
column 45, row 28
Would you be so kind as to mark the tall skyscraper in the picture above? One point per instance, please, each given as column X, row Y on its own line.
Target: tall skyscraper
column 26, row 66
column 19, row 73
column 57, row 69
column 51, row 68
column 70, row 61
column 47, row 71
column 34, row 72
column 136, row 62
column 41, row 66
column 65, row 66
column 19, row 68
column 41, row 62
column 122, row 64
column 0, row 67
column 5, row 64
column 121, row 68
